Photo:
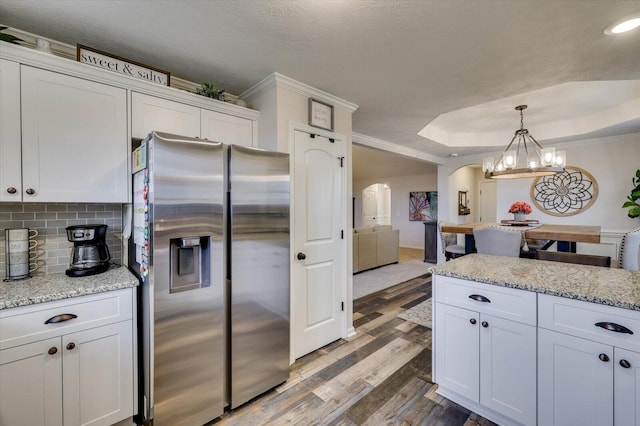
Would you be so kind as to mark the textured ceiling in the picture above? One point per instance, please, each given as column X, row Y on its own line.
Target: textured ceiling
column 403, row 62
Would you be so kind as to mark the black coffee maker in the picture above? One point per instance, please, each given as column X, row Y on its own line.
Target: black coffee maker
column 90, row 252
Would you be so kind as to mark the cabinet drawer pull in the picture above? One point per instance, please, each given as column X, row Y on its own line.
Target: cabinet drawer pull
column 479, row 298
column 472, row 320
column 11, row 190
column 52, row 350
column 625, row 364
column 30, row 191
column 60, row 318
column 612, row 326
column 604, row 357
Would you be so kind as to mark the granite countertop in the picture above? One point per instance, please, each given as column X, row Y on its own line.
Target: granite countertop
column 47, row 288
column 606, row 286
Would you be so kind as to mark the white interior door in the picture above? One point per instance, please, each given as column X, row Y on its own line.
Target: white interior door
column 369, row 205
column 318, row 282
column 384, row 205
column 487, row 202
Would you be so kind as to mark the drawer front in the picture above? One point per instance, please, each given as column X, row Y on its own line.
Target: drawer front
column 579, row 318
column 23, row 325
column 503, row 302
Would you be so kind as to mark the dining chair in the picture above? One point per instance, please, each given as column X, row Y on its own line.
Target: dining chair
column 498, row 241
column 579, row 258
column 630, row 251
column 449, row 242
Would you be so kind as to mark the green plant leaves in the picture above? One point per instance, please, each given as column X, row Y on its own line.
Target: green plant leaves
column 632, row 203
column 8, row 37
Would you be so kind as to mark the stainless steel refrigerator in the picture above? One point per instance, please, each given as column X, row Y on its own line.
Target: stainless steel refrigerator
column 210, row 244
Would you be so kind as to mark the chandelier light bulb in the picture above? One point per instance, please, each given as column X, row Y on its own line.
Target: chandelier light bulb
column 510, row 159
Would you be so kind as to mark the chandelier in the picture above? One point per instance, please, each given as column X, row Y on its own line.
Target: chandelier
column 539, row 161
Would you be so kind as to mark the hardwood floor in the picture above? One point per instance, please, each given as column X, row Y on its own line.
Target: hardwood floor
column 406, row 254
column 380, row 376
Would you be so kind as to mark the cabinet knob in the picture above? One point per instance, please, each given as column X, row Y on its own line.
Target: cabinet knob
column 485, row 324
column 11, row 190
column 52, row 350
column 71, row 346
column 472, row 321
column 30, row 191
column 625, row 364
column 604, row 357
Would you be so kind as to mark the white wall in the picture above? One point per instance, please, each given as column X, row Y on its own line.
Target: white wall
column 411, row 232
column 612, row 161
column 464, row 179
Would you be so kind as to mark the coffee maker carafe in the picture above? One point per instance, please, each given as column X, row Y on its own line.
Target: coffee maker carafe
column 90, row 253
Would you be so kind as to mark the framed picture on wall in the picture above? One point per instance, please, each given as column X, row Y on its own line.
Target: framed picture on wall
column 423, row 206
column 320, row 114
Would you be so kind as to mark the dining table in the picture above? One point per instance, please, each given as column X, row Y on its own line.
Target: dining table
column 566, row 236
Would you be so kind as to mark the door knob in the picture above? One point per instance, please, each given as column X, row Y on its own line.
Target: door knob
column 301, row 256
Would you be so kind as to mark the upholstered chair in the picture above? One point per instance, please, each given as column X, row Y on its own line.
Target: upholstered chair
column 498, row 241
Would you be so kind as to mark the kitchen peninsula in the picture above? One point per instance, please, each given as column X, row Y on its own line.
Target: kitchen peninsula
column 523, row 341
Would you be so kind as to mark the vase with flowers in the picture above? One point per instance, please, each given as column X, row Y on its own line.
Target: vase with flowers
column 520, row 209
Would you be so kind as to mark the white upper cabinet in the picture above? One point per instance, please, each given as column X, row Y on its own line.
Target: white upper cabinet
column 10, row 157
column 225, row 128
column 74, row 139
column 149, row 113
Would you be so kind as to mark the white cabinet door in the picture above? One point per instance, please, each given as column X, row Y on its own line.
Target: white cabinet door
column 98, row 375
column 225, row 128
column 627, row 388
column 508, row 368
column 74, row 139
column 31, row 384
column 149, row 113
column 575, row 380
column 10, row 143
column 456, row 357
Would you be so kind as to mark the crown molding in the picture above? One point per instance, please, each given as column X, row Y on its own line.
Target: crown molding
column 282, row 81
column 371, row 142
column 68, row 51
column 32, row 57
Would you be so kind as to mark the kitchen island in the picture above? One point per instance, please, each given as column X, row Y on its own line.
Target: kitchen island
column 523, row 341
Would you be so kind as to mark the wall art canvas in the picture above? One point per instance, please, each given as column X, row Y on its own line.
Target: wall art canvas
column 423, row 206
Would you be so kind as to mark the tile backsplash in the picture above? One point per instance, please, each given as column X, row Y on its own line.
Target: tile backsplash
column 50, row 220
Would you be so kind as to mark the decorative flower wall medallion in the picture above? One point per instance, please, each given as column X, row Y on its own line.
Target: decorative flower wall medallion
column 565, row 194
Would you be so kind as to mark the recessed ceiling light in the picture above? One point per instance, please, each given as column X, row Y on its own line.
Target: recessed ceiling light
column 622, row 26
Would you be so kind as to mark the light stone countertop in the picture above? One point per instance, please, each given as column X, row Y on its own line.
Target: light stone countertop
column 47, row 288
column 596, row 284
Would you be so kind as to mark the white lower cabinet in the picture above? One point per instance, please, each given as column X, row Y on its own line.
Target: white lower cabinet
column 588, row 367
column 82, row 376
column 575, row 385
column 31, row 384
column 483, row 361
